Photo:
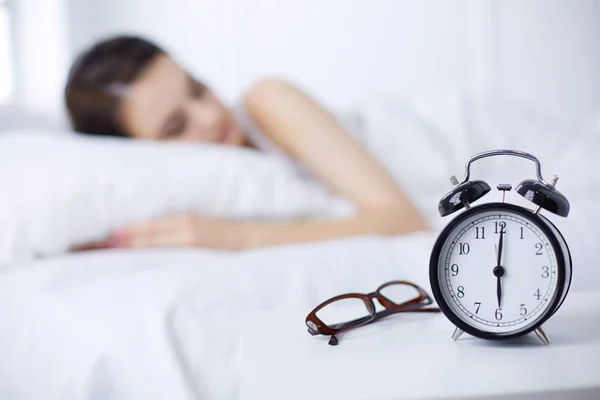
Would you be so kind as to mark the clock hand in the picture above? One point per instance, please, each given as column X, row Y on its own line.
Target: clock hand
column 500, row 245
column 499, row 290
column 499, row 270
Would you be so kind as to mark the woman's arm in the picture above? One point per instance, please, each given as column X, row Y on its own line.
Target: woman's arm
column 210, row 232
column 311, row 135
column 381, row 220
column 307, row 132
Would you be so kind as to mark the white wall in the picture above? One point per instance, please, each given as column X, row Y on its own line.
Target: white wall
column 548, row 52
column 545, row 52
column 6, row 79
column 42, row 54
column 369, row 48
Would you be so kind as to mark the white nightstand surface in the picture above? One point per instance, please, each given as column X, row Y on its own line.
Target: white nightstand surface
column 413, row 357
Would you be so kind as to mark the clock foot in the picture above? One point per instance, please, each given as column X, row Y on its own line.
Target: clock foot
column 542, row 335
column 457, row 333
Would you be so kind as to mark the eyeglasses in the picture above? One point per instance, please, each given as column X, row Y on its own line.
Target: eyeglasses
column 349, row 311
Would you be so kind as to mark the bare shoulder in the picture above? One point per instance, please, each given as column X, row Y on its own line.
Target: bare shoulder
column 269, row 84
column 264, row 92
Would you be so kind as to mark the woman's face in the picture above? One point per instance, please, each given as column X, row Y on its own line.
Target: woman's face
column 165, row 103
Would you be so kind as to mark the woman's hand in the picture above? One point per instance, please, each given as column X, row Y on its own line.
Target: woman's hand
column 186, row 230
column 198, row 231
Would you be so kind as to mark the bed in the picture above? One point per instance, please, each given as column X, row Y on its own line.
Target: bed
column 167, row 323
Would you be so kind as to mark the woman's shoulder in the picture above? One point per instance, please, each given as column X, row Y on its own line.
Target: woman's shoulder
column 262, row 92
column 254, row 105
column 268, row 84
column 251, row 126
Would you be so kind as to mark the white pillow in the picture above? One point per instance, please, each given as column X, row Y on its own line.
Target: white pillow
column 68, row 189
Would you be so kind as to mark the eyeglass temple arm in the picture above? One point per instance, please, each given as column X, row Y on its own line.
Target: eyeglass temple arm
column 384, row 313
column 343, row 325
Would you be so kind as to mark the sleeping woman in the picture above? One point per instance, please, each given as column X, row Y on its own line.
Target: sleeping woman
column 127, row 86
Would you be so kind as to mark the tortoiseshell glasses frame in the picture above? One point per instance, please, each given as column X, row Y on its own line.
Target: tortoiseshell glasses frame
column 416, row 304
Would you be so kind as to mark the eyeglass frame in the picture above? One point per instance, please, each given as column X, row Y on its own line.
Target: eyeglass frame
column 318, row 327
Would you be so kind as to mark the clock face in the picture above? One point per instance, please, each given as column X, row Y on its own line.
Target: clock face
column 497, row 269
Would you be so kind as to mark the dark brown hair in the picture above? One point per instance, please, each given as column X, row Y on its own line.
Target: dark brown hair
column 97, row 78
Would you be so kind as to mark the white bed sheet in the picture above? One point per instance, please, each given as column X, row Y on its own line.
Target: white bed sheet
column 160, row 324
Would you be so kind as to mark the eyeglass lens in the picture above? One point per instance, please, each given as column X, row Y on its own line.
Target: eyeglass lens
column 400, row 293
column 343, row 310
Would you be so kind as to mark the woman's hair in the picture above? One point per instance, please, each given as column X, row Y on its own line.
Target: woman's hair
column 98, row 78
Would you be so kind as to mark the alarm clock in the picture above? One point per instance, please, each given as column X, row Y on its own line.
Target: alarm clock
column 500, row 270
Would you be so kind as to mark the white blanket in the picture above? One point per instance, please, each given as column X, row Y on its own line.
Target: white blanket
column 165, row 323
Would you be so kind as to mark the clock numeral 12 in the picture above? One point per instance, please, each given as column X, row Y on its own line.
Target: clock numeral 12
column 502, row 226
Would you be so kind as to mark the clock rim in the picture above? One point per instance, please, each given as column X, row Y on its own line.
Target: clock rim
column 569, row 266
column 541, row 223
